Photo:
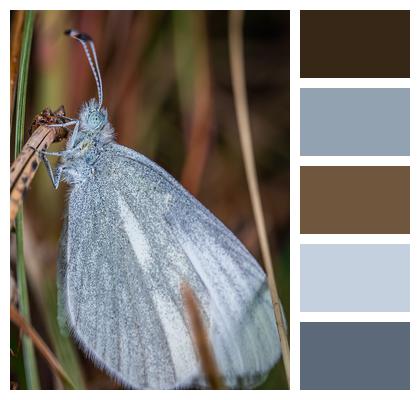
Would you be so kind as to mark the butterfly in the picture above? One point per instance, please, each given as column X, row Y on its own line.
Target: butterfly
column 131, row 236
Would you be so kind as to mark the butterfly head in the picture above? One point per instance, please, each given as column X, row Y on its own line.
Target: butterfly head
column 93, row 117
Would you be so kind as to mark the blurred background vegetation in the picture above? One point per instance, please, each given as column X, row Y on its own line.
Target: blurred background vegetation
column 167, row 87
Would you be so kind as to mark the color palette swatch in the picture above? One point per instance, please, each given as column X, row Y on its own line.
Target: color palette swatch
column 355, row 277
column 355, row 355
column 355, row 122
column 355, row 199
column 355, row 44
column 351, row 183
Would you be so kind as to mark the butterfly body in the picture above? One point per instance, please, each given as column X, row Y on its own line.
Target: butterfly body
column 92, row 132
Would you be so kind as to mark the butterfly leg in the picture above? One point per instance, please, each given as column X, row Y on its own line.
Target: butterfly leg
column 76, row 124
column 66, row 124
column 42, row 153
column 71, row 122
column 55, row 175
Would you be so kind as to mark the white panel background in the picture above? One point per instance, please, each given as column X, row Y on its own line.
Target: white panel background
column 295, row 84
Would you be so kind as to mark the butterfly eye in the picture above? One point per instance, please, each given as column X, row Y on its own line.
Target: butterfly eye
column 95, row 120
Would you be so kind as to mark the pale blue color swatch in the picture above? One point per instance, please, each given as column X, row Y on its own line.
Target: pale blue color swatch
column 361, row 277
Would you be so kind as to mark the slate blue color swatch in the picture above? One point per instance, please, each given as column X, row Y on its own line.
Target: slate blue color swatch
column 355, row 355
column 355, row 122
column 355, row 277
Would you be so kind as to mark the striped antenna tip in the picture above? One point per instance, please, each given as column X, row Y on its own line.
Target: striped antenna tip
column 84, row 37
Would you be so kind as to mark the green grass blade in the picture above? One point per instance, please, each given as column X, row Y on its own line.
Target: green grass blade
column 31, row 370
column 64, row 348
column 23, row 80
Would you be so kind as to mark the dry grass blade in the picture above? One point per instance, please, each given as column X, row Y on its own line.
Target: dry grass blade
column 13, row 290
column 201, row 340
column 26, row 163
column 242, row 115
column 28, row 330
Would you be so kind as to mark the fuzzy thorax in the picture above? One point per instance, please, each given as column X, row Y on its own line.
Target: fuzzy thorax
column 89, row 138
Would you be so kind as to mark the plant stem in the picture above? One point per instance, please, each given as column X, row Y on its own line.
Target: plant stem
column 28, row 330
column 31, row 371
column 241, row 103
column 200, row 337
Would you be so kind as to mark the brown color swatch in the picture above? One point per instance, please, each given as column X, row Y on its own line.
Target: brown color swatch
column 355, row 44
column 355, row 200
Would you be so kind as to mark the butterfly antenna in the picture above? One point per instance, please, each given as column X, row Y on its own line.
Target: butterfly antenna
column 85, row 39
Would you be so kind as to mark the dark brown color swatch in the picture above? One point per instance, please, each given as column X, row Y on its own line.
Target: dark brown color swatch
column 355, row 44
column 355, row 200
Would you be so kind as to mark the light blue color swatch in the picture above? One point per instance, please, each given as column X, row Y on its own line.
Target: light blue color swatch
column 355, row 355
column 355, row 122
column 362, row 277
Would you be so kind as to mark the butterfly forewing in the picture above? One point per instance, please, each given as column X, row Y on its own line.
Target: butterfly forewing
column 132, row 235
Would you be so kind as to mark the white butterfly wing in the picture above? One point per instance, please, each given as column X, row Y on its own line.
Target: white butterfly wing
column 133, row 235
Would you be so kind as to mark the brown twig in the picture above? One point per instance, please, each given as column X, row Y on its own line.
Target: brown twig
column 15, row 47
column 24, row 167
column 242, row 115
column 42, row 347
column 200, row 338
column 13, row 290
